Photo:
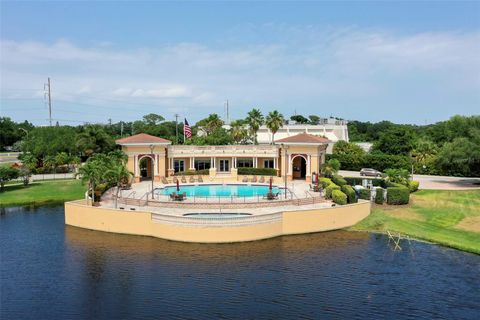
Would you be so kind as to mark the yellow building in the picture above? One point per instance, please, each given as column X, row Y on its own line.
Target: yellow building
column 297, row 157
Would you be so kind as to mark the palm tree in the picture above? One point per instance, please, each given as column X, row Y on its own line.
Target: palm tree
column 254, row 120
column 90, row 174
column 50, row 162
column 238, row 131
column 120, row 176
column 274, row 122
column 330, row 168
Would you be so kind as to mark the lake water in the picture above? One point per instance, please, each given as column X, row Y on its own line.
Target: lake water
column 52, row 271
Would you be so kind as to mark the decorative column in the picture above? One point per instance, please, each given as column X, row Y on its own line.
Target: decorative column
column 289, row 164
column 308, row 175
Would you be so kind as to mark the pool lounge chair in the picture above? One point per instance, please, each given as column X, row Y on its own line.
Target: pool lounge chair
column 254, row 179
column 184, row 180
column 245, row 179
column 262, row 179
column 191, row 180
column 200, row 179
column 175, row 179
column 164, row 180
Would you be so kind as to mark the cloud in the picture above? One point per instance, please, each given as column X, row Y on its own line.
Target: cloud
column 336, row 69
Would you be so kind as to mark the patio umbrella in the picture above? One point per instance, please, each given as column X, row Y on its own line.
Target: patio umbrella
column 270, row 186
column 178, row 185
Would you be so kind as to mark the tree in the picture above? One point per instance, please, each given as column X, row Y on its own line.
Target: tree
column 313, row 119
column 93, row 139
column 299, row 119
column 50, row 162
column 153, row 119
column 461, row 156
column 7, row 173
column 43, row 141
column 12, row 132
column 397, row 176
column 29, row 161
column 274, row 121
column 397, row 140
column 344, row 147
column 90, row 174
column 424, row 155
column 210, row 124
column 119, row 175
column 238, row 131
column 25, row 174
column 216, row 138
column 330, row 168
column 254, row 120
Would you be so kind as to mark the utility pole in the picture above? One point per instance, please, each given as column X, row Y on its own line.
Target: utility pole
column 121, row 129
column 176, row 128
column 49, row 92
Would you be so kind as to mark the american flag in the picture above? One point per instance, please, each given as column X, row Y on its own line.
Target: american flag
column 187, row 131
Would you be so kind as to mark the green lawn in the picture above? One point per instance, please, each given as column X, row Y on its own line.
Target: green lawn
column 42, row 193
column 450, row 218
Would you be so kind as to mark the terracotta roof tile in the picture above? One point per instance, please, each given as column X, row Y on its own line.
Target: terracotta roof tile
column 303, row 138
column 142, row 138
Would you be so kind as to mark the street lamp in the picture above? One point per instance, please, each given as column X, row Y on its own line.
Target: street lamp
column 153, row 166
column 286, row 168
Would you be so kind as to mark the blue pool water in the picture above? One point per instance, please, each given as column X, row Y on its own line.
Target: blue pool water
column 218, row 190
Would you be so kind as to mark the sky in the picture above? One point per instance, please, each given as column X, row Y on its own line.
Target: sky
column 403, row 61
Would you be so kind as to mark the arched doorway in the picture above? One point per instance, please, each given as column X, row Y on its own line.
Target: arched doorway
column 145, row 165
column 299, row 167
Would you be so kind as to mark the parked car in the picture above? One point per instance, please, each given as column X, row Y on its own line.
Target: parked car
column 370, row 172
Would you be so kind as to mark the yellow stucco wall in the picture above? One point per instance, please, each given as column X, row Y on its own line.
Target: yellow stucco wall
column 140, row 223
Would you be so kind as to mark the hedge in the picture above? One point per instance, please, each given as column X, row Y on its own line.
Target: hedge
column 339, row 197
column 379, row 196
column 398, row 195
column 358, row 181
column 413, row 185
column 193, row 172
column 377, row 161
column 257, row 171
column 365, row 194
column 339, row 180
column 329, row 190
column 324, row 182
column 351, row 195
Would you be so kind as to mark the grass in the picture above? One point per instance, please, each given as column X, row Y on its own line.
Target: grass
column 449, row 218
column 42, row 193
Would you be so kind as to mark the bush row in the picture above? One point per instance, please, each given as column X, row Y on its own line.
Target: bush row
column 376, row 182
column 351, row 195
column 377, row 161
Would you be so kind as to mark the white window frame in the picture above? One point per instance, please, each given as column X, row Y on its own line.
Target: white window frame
column 179, row 164
column 224, row 164
column 271, row 163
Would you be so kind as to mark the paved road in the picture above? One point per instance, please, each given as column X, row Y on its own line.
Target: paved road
column 434, row 182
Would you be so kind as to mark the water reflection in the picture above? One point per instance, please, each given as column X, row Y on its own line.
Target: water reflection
column 49, row 271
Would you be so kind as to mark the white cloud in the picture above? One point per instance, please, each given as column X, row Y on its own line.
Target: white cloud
column 309, row 67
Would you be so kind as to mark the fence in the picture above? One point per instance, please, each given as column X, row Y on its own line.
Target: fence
column 211, row 202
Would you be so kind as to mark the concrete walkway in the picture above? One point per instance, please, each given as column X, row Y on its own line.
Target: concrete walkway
column 434, row 182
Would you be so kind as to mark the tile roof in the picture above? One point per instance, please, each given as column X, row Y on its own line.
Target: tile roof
column 142, row 138
column 302, row 138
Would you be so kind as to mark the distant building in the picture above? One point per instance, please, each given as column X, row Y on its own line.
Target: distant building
column 333, row 129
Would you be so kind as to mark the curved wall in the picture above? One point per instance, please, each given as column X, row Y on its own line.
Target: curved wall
column 143, row 223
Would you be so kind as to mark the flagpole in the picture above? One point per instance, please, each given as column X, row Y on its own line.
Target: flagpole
column 184, row 139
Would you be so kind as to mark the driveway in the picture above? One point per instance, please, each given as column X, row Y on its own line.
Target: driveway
column 434, row 182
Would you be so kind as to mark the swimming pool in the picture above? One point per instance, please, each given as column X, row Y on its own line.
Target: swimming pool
column 219, row 190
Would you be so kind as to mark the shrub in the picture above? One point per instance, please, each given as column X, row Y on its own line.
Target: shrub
column 398, row 195
column 379, row 196
column 351, row 195
column 413, row 185
column 193, row 172
column 377, row 161
column 339, row 197
column 328, row 191
column 338, row 180
column 365, row 194
column 257, row 171
column 324, row 182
